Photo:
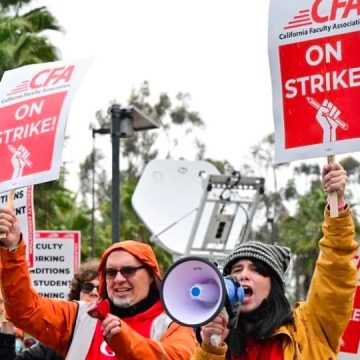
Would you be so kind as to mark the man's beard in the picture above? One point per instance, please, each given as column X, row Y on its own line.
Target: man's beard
column 122, row 303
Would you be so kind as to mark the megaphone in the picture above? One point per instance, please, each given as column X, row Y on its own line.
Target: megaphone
column 193, row 291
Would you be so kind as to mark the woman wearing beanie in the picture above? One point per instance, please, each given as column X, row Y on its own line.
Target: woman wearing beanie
column 267, row 328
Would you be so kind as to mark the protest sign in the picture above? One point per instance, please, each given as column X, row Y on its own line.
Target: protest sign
column 34, row 105
column 314, row 52
column 350, row 348
column 24, row 210
column 57, row 257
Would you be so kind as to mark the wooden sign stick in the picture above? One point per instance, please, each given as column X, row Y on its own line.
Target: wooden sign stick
column 333, row 198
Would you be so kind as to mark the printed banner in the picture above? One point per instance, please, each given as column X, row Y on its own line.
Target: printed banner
column 57, row 257
column 314, row 52
column 34, row 105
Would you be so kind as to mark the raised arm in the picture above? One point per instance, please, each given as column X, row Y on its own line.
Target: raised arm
column 48, row 320
column 332, row 290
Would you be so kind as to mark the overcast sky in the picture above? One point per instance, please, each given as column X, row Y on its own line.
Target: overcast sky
column 216, row 50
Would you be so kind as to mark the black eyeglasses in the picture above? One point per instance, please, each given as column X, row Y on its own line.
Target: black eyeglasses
column 126, row 271
column 89, row 287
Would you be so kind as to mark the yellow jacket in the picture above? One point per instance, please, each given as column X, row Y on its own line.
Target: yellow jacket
column 320, row 321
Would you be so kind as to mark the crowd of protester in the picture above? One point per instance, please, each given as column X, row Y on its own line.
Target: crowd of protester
column 135, row 326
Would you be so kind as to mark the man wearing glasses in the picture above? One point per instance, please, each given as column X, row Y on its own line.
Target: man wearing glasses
column 129, row 277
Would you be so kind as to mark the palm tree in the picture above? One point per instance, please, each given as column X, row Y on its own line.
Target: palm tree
column 21, row 35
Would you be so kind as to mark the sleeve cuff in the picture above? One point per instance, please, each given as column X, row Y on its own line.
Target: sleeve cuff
column 13, row 248
column 214, row 350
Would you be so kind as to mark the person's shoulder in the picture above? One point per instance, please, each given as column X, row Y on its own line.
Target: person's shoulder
column 301, row 312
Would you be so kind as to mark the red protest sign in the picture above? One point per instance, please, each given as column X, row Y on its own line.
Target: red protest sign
column 351, row 337
column 27, row 135
column 317, row 70
column 350, row 342
column 314, row 53
column 34, row 105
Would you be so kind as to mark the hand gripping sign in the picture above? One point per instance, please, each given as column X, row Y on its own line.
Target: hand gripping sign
column 314, row 52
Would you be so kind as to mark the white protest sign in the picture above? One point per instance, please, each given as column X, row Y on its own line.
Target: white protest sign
column 34, row 106
column 24, row 210
column 57, row 257
column 350, row 348
column 314, row 53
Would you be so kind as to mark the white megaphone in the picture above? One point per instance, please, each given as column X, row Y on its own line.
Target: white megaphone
column 193, row 291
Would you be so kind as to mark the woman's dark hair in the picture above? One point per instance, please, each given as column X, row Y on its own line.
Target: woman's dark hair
column 87, row 272
column 262, row 322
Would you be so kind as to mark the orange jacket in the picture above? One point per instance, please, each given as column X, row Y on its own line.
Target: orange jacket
column 52, row 321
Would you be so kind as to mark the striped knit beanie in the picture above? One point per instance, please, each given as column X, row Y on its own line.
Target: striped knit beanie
column 274, row 256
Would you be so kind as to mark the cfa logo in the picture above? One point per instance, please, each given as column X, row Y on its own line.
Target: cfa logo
column 321, row 13
column 51, row 77
column 340, row 9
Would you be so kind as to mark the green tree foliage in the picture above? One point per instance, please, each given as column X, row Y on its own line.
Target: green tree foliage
column 22, row 35
column 272, row 207
column 56, row 209
column 301, row 232
column 175, row 121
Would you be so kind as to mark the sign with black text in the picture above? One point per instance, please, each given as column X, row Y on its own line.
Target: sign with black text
column 34, row 105
column 57, row 258
column 314, row 52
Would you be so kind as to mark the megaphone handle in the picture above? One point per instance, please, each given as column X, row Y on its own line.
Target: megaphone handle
column 215, row 340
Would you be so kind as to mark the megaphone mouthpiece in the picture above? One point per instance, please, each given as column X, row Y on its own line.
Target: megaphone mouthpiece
column 234, row 290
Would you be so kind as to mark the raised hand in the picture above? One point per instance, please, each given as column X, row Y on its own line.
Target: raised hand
column 216, row 331
column 10, row 227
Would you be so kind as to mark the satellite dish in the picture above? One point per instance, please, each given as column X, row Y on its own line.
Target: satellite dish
column 167, row 197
